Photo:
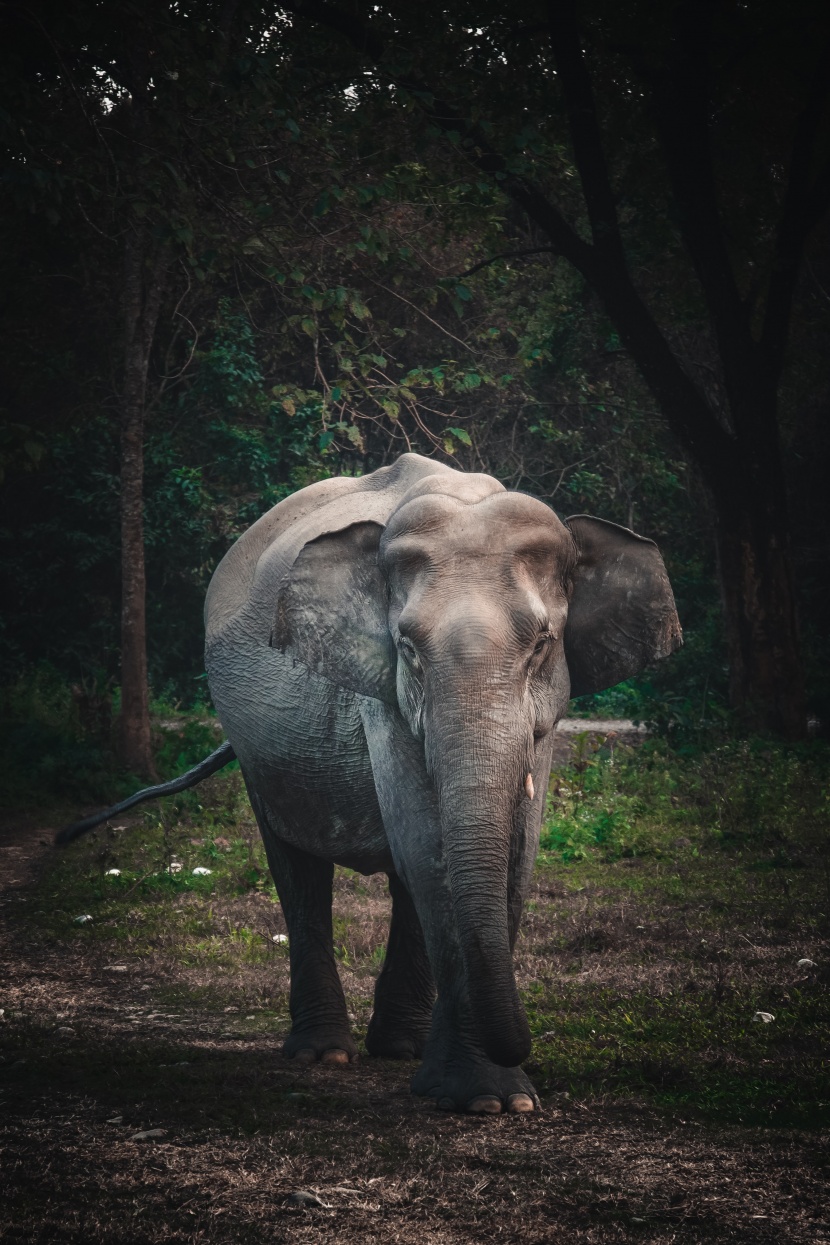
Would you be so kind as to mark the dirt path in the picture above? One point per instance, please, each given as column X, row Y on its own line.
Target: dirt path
column 251, row 1149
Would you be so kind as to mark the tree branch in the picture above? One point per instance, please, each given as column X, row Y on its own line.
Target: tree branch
column 602, row 266
column 586, row 138
column 681, row 99
column 536, row 250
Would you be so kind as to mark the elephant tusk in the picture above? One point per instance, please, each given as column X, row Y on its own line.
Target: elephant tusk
column 529, row 792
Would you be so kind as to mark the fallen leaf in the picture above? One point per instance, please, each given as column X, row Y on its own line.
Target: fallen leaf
column 306, row 1200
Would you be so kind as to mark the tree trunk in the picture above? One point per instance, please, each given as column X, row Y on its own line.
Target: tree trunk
column 143, row 287
column 755, row 568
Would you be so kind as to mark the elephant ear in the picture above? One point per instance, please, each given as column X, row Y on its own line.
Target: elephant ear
column 331, row 612
column 622, row 614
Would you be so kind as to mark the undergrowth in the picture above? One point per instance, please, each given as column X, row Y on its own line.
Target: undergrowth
column 625, row 801
column 57, row 740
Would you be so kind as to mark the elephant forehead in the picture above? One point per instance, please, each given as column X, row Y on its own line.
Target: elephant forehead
column 440, row 525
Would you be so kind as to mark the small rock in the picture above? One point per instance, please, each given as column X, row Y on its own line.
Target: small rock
column 306, row 1200
column 82, row 920
column 250, row 1017
column 119, row 827
column 113, row 873
column 641, row 929
column 806, row 963
column 116, row 1119
column 176, row 866
column 64, row 1031
column 149, row 1134
column 765, row 1018
column 145, row 987
column 200, row 871
column 279, row 938
column 115, row 968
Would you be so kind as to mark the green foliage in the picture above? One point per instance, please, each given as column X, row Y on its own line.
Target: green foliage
column 332, row 299
column 46, row 748
column 621, row 801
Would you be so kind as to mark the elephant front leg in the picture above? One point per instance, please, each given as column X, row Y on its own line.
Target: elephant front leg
column 319, row 1021
column 456, row 1073
column 405, row 990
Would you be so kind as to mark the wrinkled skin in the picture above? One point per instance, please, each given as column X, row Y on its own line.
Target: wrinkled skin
column 389, row 657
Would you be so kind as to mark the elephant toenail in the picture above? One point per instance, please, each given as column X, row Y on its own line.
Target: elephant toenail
column 306, row 1055
column 335, row 1055
column 446, row 1104
column 485, row 1104
column 518, row 1103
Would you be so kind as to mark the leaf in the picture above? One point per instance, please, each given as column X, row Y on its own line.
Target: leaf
column 326, row 439
column 289, row 406
column 353, row 433
column 309, row 326
column 463, row 292
column 461, row 435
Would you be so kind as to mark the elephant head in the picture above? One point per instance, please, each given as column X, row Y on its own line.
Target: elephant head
column 478, row 613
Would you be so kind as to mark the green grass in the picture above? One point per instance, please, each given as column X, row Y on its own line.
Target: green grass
column 722, row 859
column 675, row 895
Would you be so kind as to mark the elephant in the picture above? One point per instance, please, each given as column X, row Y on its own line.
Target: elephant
column 389, row 656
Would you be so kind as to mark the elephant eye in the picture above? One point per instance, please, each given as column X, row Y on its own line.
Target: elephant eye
column 542, row 643
column 407, row 649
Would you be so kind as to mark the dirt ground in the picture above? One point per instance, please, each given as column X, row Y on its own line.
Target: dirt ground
column 251, row 1149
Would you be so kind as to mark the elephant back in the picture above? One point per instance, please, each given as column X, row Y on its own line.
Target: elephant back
column 246, row 584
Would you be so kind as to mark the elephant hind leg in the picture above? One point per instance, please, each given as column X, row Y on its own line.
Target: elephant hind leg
column 319, row 1021
column 405, row 991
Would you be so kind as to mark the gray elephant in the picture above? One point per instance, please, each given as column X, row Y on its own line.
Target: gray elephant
column 389, row 656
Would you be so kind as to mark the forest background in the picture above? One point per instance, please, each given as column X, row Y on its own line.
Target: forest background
column 583, row 248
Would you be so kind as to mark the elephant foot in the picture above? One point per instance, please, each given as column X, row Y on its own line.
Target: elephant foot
column 323, row 1045
column 400, row 1040
column 478, row 1087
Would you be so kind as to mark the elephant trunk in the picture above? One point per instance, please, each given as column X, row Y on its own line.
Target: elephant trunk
column 480, row 774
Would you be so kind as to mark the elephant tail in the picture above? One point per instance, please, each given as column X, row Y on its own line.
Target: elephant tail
column 223, row 755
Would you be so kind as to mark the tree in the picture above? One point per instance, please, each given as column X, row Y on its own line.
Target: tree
column 684, row 80
column 120, row 120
